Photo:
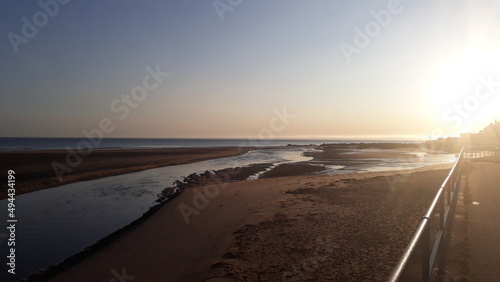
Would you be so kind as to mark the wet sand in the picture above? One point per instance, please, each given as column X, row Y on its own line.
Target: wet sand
column 34, row 169
column 319, row 227
column 290, row 224
column 292, row 169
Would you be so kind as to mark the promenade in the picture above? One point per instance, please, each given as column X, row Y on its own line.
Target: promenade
column 472, row 251
column 484, row 221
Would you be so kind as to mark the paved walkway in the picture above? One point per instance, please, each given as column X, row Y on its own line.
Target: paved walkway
column 484, row 222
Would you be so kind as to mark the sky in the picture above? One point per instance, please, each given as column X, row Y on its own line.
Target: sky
column 249, row 68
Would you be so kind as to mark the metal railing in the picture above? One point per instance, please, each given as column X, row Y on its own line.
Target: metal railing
column 444, row 204
column 474, row 152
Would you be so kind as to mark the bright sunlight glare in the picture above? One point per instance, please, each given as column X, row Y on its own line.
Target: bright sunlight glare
column 460, row 76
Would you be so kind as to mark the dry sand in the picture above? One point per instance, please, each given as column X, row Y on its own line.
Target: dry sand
column 310, row 227
column 34, row 169
column 341, row 228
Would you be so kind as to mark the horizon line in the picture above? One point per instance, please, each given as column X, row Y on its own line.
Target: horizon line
column 292, row 137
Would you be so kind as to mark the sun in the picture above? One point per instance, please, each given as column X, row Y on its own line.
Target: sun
column 459, row 101
column 460, row 76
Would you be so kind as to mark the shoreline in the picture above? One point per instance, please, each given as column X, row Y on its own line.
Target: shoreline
column 222, row 178
column 139, row 235
column 34, row 169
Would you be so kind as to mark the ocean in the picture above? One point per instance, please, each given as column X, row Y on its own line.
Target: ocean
column 25, row 143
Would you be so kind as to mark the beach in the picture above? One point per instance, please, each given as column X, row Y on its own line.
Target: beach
column 34, row 170
column 222, row 223
column 348, row 227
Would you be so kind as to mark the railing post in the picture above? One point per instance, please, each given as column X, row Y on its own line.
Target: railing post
column 450, row 188
column 426, row 253
column 441, row 212
column 442, row 258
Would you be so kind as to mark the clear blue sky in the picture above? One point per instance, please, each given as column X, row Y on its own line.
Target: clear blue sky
column 226, row 76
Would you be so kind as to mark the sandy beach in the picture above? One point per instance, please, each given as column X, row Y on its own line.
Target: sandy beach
column 291, row 224
column 343, row 228
column 34, row 169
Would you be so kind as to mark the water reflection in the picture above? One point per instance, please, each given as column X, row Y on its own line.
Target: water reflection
column 56, row 223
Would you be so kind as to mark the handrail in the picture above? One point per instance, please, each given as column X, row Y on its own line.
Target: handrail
column 448, row 189
column 484, row 151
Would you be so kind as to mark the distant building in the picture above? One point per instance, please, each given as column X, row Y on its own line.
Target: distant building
column 490, row 134
column 467, row 139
